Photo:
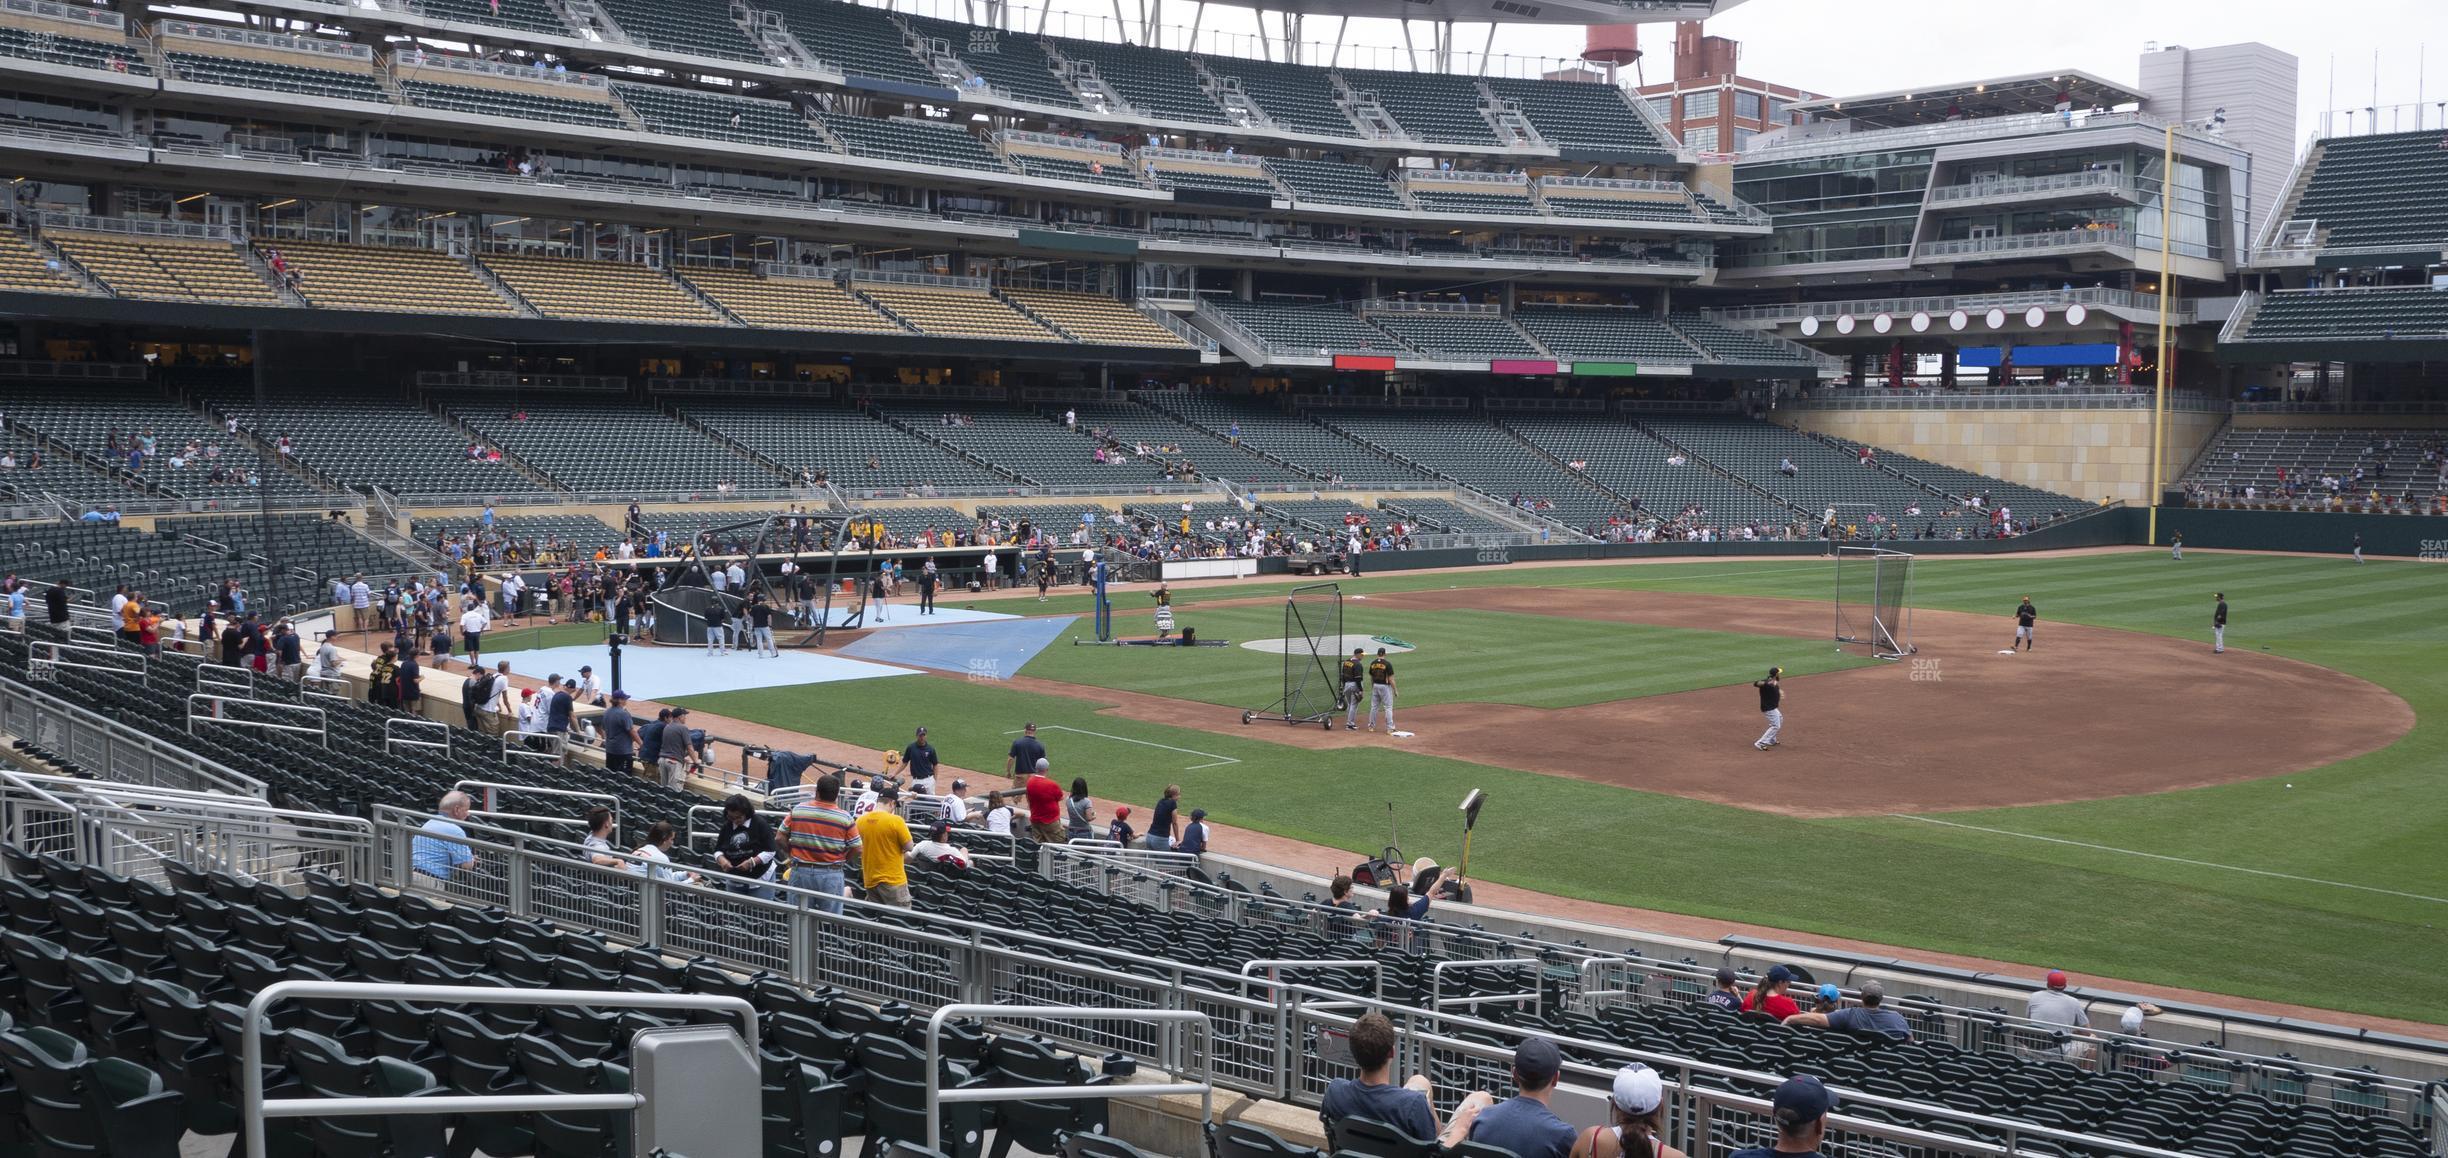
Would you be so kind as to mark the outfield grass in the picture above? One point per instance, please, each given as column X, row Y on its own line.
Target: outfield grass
column 542, row 635
column 2378, row 822
column 1465, row 656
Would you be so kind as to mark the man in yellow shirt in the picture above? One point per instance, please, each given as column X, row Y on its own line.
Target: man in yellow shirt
column 884, row 839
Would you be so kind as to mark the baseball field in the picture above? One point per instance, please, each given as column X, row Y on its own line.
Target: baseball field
column 2268, row 823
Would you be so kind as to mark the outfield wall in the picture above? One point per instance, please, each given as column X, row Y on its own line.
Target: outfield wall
column 2413, row 536
column 2090, row 454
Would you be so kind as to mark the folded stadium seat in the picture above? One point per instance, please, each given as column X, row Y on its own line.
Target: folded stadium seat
column 703, row 29
column 1155, row 83
column 303, row 80
column 73, row 1103
column 1094, row 318
column 689, row 112
column 1297, row 98
column 788, row 302
column 78, row 51
column 1084, row 1145
column 805, row 1109
column 537, row 104
column 1334, row 183
column 1039, row 1126
column 1236, row 1139
column 367, row 277
column 598, row 290
column 482, row 1062
column 1013, row 64
column 574, row 1134
column 1370, row 1138
column 324, row 1069
column 1575, row 115
column 955, row 313
column 896, row 1097
column 23, row 268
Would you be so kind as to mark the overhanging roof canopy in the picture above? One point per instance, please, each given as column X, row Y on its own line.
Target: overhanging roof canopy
column 2005, row 96
column 1501, row 11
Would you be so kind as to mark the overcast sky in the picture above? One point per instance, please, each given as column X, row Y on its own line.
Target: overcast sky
column 1845, row 47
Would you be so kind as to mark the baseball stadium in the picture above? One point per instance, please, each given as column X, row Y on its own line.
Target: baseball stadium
column 761, row 578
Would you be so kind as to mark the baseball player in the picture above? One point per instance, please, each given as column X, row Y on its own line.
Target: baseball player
column 2358, row 546
column 1351, row 671
column 2218, row 626
column 2025, row 615
column 1772, row 697
column 1381, row 690
column 1163, row 595
column 2176, row 546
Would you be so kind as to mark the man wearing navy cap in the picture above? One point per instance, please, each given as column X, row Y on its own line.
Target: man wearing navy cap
column 1800, row 1107
column 1523, row 1124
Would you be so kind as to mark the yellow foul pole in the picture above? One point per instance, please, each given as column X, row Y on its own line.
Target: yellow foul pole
column 2167, row 294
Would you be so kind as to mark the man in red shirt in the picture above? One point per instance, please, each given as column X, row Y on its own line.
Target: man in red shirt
column 1045, row 801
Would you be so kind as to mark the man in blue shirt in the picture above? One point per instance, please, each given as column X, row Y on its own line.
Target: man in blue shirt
column 1523, row 1123
column 1870, row 1018
column 557, row 710
column 1801, row 1107
column 1374, row 1096
column 1194, row 834
column 433, row 858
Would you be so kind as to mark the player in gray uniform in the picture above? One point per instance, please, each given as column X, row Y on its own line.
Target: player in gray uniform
column 1381, row 691
column 1350, row 674
column 2218, row 626
column 1772, row 701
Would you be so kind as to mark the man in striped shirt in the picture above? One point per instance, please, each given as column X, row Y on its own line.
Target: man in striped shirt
column 821, row 840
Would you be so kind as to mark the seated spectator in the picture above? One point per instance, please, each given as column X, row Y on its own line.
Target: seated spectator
column 998, row 814
column 1373, row 1096
column 1638, row 1106
column 1725, row 996
column 1120, row 831
column 654, row 856
column 1800, row 1108
column 1523, row 1124
column 2054, row 1006
column 1768, row 995
column 1870, row 1017
column 1194, row 834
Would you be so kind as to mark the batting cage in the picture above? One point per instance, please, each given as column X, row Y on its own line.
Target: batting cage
column 1872, row 585
column 1313, row 639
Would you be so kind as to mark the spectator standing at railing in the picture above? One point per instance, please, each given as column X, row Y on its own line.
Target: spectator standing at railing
column 820, row 836
column 672, row 752
column 288, row 653
column 1045, row 805
column 327, row 660
column 884, row 842
column 1160, row 825
column 1079, row 812
column 55, row 608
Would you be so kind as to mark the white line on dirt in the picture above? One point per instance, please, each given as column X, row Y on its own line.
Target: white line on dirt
column 2174, row 859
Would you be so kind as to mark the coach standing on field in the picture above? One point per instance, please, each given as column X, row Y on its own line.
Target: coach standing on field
column 2218, row 626
column 2025, row 616
column 1772, row 700
column 1352, row 670
column 1381, row 691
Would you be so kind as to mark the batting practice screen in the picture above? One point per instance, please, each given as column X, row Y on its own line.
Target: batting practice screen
column 1871, row 607
column 1312, row 643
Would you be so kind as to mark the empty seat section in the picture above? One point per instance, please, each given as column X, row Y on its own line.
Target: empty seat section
column 1484, row 458
column 1626, row 460
column 1308, row 328
column 91, row 51
column 523, row 15
column 1577, row 115
column 1604, row 334
column 1458, row 336
column 507, row 101
column 796, row 303
column 749, row 120
column 1217, row 175
column 1298, row 99
column 2391, row 461
column 1156, row 84
column 539, row 532
column 857, row 40
column 1505, row 198
column 682, row 26
column 178, row 269
column 1428, row 106
column 1074, row 165
column 310, row 541
column 1754, row 450
column 1134, row 425
column 1745, row 347
column 73, row 417
column 1094, row 318
column 2388, row 190
column 43, row 469
column 1447, row 516
column 859, row 454
column 1013, row 64
column 1334, row 183
column 1295, row 439
column 1568, row 202
column 323, row 80
column 607, row 447
column 368, row 277
column 368, row 436
column 569, row 287
column 2379, row 315
column 23, row 267
column 948, row 312
column 907, row 140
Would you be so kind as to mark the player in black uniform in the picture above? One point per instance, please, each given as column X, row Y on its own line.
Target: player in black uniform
column 1772, row 700
column 2218, row 626
column 2025, row 616
column 1381, row 691
column 1349, row 676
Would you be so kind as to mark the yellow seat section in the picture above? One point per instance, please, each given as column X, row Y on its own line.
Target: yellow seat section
column 614, row 291
column 372, row 277
column 22, row 267
column 956, row 313
column 1094, row 318
column 170, row 268
column 793, row 303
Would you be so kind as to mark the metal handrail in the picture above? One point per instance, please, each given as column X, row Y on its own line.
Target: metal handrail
column 937, row 1096
column 255, row 1110
column 2012, row 186
column 238, row 679
column 321, row 731
column 1275, row 965
column 57, row 651
column 491, row 790
column 393, row 741
column 555, row 749
column 1436, row 983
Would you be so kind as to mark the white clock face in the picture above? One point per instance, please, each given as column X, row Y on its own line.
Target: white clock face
column 1810, row 327
column 2076, row 315
column 2035, row 317
column 1921, row 323
column 1997, row 319
column 1958, row 320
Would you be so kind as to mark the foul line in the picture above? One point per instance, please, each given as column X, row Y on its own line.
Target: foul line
column 2175, row 859
column 1219, row 760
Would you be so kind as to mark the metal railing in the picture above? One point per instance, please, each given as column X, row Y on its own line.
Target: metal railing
column 2020, row 186
column 937, row 1097
column 405, row 65
column 112, row 750
column 2014, row 301
column 133, row 829
column 217, row 706
column 2028, row 242
column 1835, row 135
column 112, row 22
column 255, row 1109
column 250, row 38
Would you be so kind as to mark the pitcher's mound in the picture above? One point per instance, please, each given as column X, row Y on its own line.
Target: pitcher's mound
column 1332, row 645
